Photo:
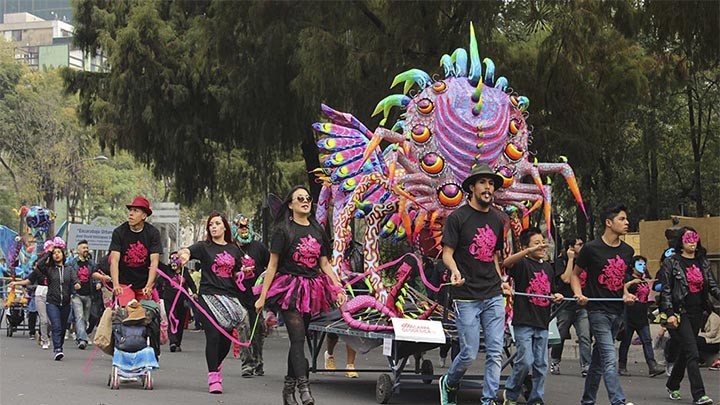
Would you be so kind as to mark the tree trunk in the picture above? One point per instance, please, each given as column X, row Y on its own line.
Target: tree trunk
column 312, row 162
column 695, row 141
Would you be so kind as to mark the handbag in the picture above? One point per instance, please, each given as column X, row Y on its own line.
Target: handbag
column 103, row 334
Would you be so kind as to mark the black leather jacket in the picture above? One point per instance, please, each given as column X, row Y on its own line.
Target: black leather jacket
column 675, row 285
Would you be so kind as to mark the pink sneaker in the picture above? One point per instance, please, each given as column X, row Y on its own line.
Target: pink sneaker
column 215, row 382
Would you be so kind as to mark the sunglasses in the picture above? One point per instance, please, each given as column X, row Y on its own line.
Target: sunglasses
column 304, row 198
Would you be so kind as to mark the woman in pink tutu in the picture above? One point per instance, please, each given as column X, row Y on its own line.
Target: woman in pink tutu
column 300, row 282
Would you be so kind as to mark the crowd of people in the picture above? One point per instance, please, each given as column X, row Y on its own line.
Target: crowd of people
column 601, row 289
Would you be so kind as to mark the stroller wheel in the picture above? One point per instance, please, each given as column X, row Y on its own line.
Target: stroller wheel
column 114, row 379
column 148, row 381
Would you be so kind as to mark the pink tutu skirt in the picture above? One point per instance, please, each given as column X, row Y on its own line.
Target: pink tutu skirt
column 307, row 295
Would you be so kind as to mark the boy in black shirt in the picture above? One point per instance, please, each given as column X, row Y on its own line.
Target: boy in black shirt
column 605, row 261
column 532, row 275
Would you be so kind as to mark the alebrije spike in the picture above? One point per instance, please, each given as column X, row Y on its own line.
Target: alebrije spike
column 399, row 126
column 478, row 107
column 459, row 56
column 410, row 77
column 523, row 103
column 563, row 159
column 489, row 71
column 447, row 64
column 475, row 66
column 477, row 94
column 501, row 83
column 386, row 104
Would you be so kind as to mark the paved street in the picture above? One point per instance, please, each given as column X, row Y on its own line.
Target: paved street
column 28, row 376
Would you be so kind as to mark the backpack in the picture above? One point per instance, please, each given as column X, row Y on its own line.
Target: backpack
column 129, row 338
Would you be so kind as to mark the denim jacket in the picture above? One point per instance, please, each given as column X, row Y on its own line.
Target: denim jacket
column 675, row 285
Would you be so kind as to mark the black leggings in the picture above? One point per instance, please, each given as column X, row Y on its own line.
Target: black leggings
column 296, row 324
column 217, row 346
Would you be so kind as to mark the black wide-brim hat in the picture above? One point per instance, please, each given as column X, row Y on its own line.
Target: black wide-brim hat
column 481, row 170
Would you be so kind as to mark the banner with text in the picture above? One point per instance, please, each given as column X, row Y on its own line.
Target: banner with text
column 416, row 330
column 98, row 237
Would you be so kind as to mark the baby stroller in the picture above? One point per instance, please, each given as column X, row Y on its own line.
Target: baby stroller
column 136, row 345
column 15, row 312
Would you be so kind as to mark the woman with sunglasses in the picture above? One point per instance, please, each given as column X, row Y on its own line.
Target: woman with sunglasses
column 686, row 283
column 300, row 281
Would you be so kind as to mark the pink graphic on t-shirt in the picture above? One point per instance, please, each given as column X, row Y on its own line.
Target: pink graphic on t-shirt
column 248, row 261
column 307, row 252
column 613, row 274
column 136, row 255
column 483, row 244
column 540, row 285
column 583, row 278
column 223, row 265
column 694, row 279
column 83, row 274
column 642, row 292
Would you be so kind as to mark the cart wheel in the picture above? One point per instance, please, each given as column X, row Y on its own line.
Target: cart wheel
column 527, row 387
column 115, row 380
column 148, row 381
column 383, row 389
column 427, row 369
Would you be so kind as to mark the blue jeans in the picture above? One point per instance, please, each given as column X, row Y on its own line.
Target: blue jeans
column 577, row 317
column 58, row 315
column 531, row 352
column 81, row 309
column 469, row 316
column 644, row 333
column 604, row 327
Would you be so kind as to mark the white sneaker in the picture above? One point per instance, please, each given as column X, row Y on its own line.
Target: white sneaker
column 442, row 361
column 45, row 345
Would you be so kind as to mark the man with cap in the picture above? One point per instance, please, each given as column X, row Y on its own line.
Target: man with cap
column 472, row 239
column 255, row 258
column 134, row 254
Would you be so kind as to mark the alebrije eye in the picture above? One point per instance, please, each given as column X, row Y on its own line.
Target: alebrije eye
column 514, row 127
column 514, row 100
column 432, row 163
column 439, row 87
column 450, row 195
column 349, row 184
column 337, row 158
column 420, row 133
column 513, row 152
column 425, row 106
column 507, row 175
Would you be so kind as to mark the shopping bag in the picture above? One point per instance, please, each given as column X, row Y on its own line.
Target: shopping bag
column 103, row 333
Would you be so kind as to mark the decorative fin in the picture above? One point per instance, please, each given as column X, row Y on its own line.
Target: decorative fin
column 386, row 104
column 489, row 71
column 410, row 77
column 460, row 59
column 501, row 83
column 447, row 64
column 475, row 66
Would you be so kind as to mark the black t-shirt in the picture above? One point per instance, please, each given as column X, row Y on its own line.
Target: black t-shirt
column 475, row 236
column 85, row 269
column 168, row 290
column 696, row 283
column 219, row 264
column 300, row 249
column 606, row 267
column 135, row 249
column 253, row 254
column 636, row 313
column 562, row 287
column 532, row 277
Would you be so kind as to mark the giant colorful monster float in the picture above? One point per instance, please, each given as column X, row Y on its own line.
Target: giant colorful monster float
column 20, row 251
column 407, row 190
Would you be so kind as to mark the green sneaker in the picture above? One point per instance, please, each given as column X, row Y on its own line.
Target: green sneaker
column 674, row 395
column 703, row 400
column 506, row 401
column 448, row 396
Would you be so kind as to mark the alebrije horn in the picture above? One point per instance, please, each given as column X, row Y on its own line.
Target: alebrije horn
column 448, row 65
column 410, row 77
column 475, row 67
column 501, row 83
column 386, row 104
column 489, row 72
column 459, row 56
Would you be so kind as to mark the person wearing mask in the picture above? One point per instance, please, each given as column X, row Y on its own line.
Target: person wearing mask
column 300, row 282
column 687, row 282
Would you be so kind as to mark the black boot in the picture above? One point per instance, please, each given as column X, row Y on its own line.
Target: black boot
column 622, row 369
column 304, row 388
column 289, row 391
column 653, row 369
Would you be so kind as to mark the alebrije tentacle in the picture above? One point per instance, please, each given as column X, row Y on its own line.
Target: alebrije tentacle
column 501, row 83
column 448, row 66
column 410, row 77
column 489, row 72
column 459, row 56
column 399, row 126
column 475, row 66
column 386, row 104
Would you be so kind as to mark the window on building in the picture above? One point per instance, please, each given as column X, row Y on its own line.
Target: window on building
column 16, row 35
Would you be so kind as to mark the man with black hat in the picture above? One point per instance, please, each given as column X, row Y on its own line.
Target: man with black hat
column 134, row 254
column 472, row 239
